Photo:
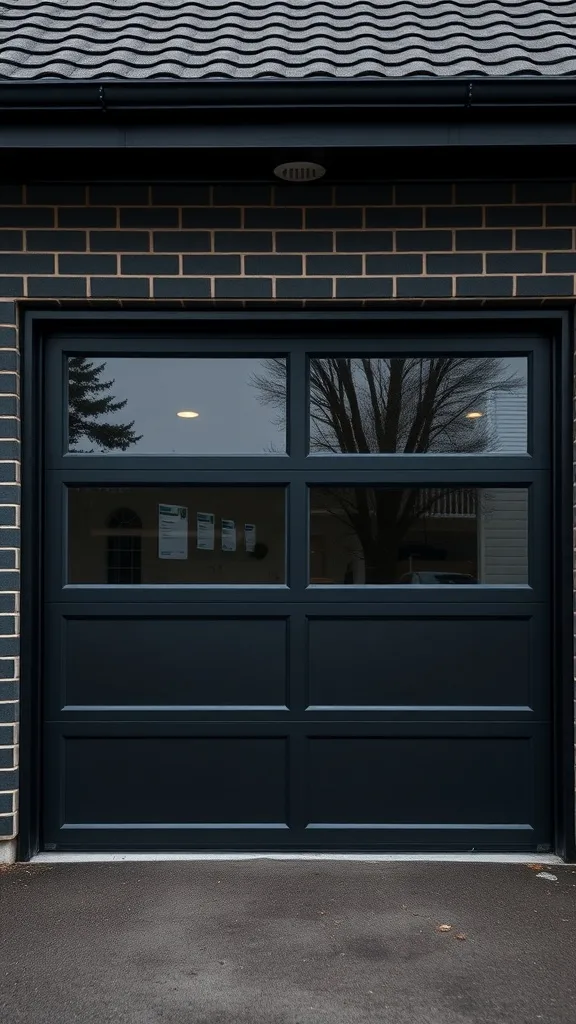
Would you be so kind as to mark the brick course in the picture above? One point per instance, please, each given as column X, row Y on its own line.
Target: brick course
column 234, row 243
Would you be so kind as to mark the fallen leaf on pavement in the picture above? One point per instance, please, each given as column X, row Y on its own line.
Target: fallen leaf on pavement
column 461, row 936
column 536, row 867
column 444, row 928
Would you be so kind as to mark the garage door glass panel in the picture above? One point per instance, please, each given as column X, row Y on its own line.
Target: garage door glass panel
column 432, row 536
column 176, row 535
column 413, row 406
column 186, row 406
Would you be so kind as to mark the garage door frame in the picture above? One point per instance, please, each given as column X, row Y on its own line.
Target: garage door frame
column 38, row 326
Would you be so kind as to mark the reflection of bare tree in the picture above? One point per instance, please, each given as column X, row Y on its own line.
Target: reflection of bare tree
column 410, row 405
column 404, row 405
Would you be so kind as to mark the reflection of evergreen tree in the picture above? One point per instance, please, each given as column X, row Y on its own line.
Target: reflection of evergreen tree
column 89, row 402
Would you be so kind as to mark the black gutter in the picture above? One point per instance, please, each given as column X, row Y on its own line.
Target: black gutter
column 467, row 93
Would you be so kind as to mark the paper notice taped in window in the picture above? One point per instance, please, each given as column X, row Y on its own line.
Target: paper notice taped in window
column 228, row 532
column 205, row 531
column 173, row 531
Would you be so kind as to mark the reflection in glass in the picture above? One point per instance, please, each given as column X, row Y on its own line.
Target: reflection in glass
column 171, row 406
column 176, row 535
column 124, row 557
column 413, row 405
column 418, row 536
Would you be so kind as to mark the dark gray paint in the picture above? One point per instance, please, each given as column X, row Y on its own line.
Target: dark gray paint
column 183, row 661
column 457, row 661
column 186, row 781
column 442, row 782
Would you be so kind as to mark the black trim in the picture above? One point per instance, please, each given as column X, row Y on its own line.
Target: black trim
column 37, row 323
column 289, row 137
column 463, row 93
column 562, row 588
column 312, row 114
column 31, row 590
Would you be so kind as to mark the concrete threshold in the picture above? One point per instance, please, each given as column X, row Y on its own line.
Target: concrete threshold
column 376, row 858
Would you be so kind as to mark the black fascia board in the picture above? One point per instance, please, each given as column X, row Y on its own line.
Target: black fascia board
column 455, row 93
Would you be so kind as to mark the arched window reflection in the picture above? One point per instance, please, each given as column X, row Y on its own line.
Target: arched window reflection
column 124, row 551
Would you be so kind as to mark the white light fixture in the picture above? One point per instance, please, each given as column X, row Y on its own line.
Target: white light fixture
column 474, row 415
column 187, row 414
column 299, row 170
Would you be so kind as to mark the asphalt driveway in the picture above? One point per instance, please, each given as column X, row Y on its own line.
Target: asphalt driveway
column 287, row 942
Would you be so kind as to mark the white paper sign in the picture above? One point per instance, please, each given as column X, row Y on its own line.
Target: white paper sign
column 205, row 531
column 172, row 531
column 228, row 527
column 249, row 536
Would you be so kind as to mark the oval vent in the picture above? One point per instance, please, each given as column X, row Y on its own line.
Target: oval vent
column 299, row 170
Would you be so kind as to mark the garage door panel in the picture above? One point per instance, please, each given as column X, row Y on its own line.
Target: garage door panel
column 201, row 781
column 186, row 661
column 423, row 661
column 447, row 781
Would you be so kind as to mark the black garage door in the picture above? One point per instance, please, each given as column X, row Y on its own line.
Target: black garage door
column 297, row 588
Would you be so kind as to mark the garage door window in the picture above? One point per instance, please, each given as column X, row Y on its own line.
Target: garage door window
column 418, row 535
column 413, row 405
column 299, row 464
column 177, row 536
column 186, row 406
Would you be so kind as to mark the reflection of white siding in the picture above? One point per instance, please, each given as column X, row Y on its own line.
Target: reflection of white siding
column 507, row 418
column 503, row 536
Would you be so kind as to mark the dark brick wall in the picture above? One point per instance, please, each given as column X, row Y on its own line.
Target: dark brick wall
column 179, row 243
column 408, row 241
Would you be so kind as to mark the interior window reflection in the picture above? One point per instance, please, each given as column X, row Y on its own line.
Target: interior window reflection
column 176, row 536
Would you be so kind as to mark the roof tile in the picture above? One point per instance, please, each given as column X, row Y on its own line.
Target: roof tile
column 179, row 39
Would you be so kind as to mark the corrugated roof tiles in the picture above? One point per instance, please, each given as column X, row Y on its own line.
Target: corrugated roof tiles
column 295, row 39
